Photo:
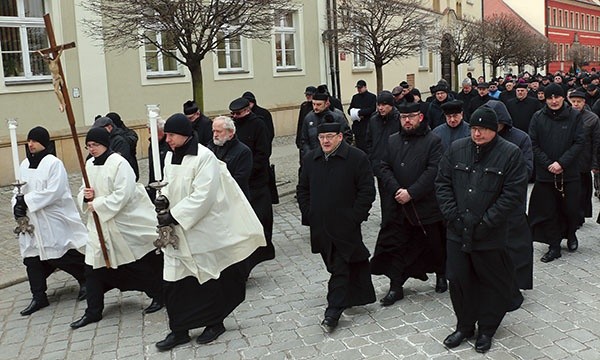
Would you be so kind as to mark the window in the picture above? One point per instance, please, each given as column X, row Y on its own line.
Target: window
column 560, row 18
column 230, row 53
column 22, row 33
column 157, row 63
column 572, row 19
column 424, row 57
column 286, row 54
column 576, row 20
column 359, row 61
column 562, row 53
column 553, row 17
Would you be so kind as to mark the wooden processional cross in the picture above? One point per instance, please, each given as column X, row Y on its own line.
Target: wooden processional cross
column 52, row 57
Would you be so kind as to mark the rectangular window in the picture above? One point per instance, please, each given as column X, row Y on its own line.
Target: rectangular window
column 554, row 17
column 572, row 19
column 576, row 20
column 22, row 33
column 286, row 54
column 560, row 18
column 229, row 53
column 358, row 59
column 157, row 62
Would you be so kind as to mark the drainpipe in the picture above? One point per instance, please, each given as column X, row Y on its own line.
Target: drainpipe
column 337, row 89
column 329, row 36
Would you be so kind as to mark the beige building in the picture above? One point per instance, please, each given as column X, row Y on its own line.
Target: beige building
column 99, row 82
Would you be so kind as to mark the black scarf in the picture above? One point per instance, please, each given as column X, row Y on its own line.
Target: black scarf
column 35, row 159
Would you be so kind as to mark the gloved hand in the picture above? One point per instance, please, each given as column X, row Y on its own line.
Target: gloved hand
column 481, row 230
column 20, row 208
column 161, row 203
column 165, row 218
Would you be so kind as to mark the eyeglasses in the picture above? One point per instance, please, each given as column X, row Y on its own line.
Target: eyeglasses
column 409, row 116
column 327, row 137
column 92, row 146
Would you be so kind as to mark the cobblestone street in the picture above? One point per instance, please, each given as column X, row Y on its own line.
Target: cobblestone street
column 560, row 318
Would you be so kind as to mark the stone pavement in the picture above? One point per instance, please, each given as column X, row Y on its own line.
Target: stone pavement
column 280, row 318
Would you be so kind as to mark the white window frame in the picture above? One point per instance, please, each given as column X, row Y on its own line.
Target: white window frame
column 23, row 23
column 160, row 59
column 296, row 30
column 359, row 62
column 228, row 51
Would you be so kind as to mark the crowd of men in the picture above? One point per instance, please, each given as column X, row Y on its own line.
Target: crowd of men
column 451, row 173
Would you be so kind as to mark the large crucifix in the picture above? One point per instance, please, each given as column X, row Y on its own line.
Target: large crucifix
column 52, row 57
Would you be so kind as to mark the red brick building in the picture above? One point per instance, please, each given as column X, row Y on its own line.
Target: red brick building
column 573, row 23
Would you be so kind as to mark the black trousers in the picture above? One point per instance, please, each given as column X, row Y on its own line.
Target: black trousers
column 482, row 288
column 144, row 275
column 260, row 199
column 587, row 186
column 349, row 285
column 72, row 262
column 553, row 217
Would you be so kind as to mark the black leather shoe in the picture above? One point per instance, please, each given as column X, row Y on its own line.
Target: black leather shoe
column 441, row 285
column 550, row 255
column 172, row 340
column 456, row 338
column 154, row 307
column 82, row 293
column 483, row 343
column 572, row 243
column 391, row 297
column 329, row 323
column 211, row 333
column 34, row 306
column 85, row 320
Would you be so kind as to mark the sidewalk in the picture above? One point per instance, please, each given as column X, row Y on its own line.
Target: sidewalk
column 560, row 318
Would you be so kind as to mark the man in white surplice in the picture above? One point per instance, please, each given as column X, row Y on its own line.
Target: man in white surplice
column 128, row 225
column 59, row 235
column 217, row 229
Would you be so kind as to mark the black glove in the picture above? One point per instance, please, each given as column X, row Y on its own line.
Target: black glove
column 161, row 203
column 165, row 218
column 20, row 208
column 481, row 230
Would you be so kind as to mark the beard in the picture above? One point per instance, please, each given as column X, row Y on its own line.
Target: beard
column 219, row 142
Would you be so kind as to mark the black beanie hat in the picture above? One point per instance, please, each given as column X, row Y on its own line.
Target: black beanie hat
column 116, row 119
column 98, row 135
column 484, row 117
column 385, row 97
column 250, row 97
column 178, row 124
column 40, row 135
column 554, row 90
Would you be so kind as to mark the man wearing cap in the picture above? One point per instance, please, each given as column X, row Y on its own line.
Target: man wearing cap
column 508, row 92
column 217, row 231
column 251, row 131
column 119, row 142
column 305, row 108
column 466, row 94
column 588, row 160
column 413, row 241
column 201, row 124
column 435, row 115
column 335, row 192
column 493, row 90
column 454, row 127
column 533, row 85
column 398, row 94
column 481, row 181
column 520, row 244
column 229, row 149
column 362, row 106
column 321, row 111
column 557, row 138
column 383, row 123
column 482, row 98
column 592, row 95
column 522, row 108
column 128, row 223
column 59, row 237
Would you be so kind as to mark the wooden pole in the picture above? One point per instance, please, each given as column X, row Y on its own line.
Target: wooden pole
column 71, row 117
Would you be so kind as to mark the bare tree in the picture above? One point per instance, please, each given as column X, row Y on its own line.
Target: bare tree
column 382, row 31
column 464, row 38
column 541, row 54
column 501, row 34
column 579, row 54
column 188, row 29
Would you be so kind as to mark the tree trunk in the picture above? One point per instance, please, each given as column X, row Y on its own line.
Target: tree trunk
column 197, row 85
column 379, row 76
column 456, row 83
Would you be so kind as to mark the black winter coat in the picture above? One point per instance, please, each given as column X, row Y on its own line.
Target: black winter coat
column 466, row 99
column 120, row 143
column 591, row 130
column 202, row 126
column 556, row 136
column 335, row 195
column 238, row 158
column 411, row 162
column 251, row 131
column 474, row 104
column 267, row 118
column 435, row 116
column 478, row 189
column 521, row 111
column 305, row 108
column 379, row 131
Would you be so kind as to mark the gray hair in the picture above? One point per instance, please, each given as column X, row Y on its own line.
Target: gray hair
column 227, row 122
column 467, row 81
